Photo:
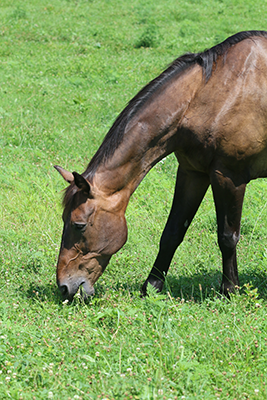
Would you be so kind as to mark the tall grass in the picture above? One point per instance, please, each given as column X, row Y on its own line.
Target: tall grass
column 67, row 68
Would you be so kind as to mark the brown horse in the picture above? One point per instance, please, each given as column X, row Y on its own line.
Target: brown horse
column 210, row 109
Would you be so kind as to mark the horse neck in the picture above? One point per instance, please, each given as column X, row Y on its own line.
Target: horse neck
column 151, row 135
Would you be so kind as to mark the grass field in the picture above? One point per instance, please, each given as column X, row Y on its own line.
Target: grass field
column 67, row 68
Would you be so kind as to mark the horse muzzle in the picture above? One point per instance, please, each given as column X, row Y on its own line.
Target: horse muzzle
column 68, row 288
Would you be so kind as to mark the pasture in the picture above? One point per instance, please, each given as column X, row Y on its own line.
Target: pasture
column 67, row 68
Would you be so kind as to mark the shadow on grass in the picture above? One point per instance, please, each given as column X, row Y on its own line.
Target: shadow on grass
column 203, row 285
column 196, row 287
column 43, row 293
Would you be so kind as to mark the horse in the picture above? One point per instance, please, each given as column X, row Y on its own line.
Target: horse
column 210, row 110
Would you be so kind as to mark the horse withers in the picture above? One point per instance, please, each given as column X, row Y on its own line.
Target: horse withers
column 210, row 109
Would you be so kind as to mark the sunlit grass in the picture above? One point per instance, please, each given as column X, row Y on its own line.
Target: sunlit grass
column 120, row 346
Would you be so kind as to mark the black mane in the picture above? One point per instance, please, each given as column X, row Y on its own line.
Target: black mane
column 206, row 60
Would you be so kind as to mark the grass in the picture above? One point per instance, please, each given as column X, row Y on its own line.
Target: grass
column 67, row 68
column 122, row 347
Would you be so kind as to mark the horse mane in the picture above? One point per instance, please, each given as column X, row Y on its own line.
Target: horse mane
column 114, row 137
column 209, row 57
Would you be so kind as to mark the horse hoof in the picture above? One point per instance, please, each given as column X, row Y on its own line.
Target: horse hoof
column 157, row 284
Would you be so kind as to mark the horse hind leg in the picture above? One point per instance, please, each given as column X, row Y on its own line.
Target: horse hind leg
column 228, row 199
column 189, row 191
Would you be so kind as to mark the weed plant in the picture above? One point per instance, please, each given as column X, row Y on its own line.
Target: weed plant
column 67, row 68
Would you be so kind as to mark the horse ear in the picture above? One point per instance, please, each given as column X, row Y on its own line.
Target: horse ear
column 68, row 176
column 81, row 182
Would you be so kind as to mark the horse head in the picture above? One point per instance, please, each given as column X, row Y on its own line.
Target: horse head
column 94, row 229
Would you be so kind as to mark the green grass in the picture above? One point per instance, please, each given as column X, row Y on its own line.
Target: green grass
column 67, row 68
column 122, row 347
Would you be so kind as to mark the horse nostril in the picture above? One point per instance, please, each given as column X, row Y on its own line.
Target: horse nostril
column 64, row 290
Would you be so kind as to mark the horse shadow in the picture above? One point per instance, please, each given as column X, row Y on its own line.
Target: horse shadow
column 43, row 293
column 196, row 287
column 206, row 284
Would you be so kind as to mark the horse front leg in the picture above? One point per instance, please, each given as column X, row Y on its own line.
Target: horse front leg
column 190, row 189
column 228, row 198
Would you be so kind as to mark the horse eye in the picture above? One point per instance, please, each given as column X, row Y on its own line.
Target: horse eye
column 79, row 226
